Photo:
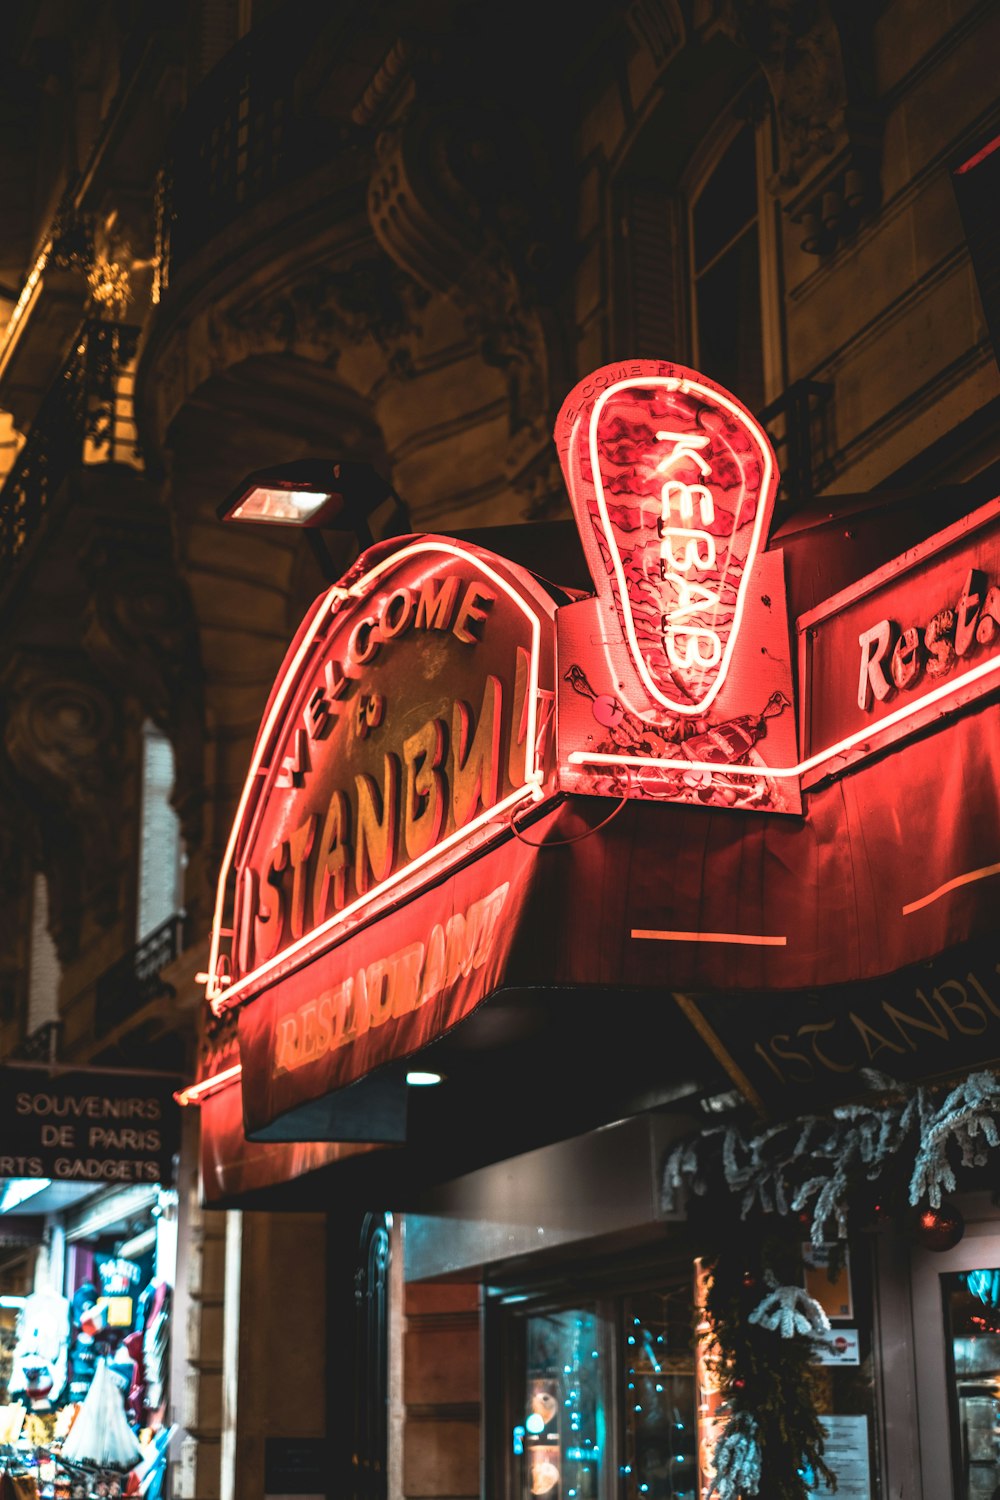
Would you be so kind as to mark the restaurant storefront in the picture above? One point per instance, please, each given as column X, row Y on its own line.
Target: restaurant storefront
column 713, row 841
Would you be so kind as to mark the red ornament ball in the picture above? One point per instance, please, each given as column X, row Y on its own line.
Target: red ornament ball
column 738, row 1384
column 939, row 1228
column 749, row 1280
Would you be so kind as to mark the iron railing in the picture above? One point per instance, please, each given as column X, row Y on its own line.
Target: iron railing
column 84, row 409
column 247, row 129
column 137, row 977
column 796, row 425
column 41, row 1045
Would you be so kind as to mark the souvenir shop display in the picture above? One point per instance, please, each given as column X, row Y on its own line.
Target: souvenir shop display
column 88, row 1388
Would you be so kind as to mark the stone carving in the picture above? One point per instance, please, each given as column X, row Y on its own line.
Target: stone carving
column 62, row 738
column 326, row 308
column 457, row 200
column 814, row 56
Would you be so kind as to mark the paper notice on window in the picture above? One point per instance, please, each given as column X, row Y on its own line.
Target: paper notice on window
column 834, row 1296
column 846, row 1453
column 838, row 1346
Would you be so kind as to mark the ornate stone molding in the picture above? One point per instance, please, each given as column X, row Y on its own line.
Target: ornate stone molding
column 318, row 314
column 62, row 738
column 814, row 55
column 457, row 201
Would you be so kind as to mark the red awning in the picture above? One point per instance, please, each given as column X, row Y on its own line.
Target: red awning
column 891, row 864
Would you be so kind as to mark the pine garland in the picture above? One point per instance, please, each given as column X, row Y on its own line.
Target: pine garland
column 773, row 1434
column 789, row 1310
column 749, row 1194
column 823, row 1163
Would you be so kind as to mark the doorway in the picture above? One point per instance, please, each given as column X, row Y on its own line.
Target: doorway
column 956, row 1320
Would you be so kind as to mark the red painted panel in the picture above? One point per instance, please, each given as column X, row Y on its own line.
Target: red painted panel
column 410, row 719
column 903, row 646
column 392, row 989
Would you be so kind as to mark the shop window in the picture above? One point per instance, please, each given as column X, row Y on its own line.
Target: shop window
column 728, row 295
column 601, row 1399
column 161, row 857
column 653, row 321
column 562, row 1440
column 698, row 277
column 972, row 1306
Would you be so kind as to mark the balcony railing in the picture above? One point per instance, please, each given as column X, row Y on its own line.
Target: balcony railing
column 85, row 417
column 796, row 424
column 41, row 1045
column 136, row 979
column 245, row 131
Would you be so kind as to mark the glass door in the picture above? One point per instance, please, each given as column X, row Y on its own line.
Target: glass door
column 600, row 1399
column 956, row 1354
column 972, row 1321
column 658, row 1410
column 562, row 1429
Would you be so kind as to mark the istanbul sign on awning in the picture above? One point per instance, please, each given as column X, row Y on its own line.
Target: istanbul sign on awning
column 392, row 862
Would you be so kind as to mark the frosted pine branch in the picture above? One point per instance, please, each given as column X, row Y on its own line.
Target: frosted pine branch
column 966, row 1119
column 789, row 1310
column 738, row 1458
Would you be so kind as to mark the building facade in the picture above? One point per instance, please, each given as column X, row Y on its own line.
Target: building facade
column 236, row 235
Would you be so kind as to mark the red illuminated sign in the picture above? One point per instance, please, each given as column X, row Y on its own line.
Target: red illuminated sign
column 675, row 683
column 892, row 653
column 673, row 483
column 409, row 721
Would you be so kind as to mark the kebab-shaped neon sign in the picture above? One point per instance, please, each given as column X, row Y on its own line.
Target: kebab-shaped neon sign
column 672, row 483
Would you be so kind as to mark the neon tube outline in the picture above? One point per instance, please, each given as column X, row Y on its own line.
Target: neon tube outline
column 955, row 884
column 764, row 503
column 578, row 757
column 725, row 768
column 225, row 998
column 195, row 1092
column 748, row 939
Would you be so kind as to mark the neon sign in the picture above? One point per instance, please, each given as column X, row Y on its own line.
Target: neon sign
column 409, row 721
column 390, row 986
column 876, row 663
column 672, row 483
column 894, row 658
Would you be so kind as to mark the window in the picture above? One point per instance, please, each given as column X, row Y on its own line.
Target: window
column 971, row 1304
column 697, row 276
column 600, row 1398
column 728, row 235
column 161, row 859
column 44, row 969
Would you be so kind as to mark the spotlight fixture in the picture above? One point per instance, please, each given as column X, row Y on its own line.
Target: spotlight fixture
column 423, row 1080
column 329, row 494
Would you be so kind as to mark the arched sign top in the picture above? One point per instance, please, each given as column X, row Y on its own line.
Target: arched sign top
column 672, row 483
column 408, row 721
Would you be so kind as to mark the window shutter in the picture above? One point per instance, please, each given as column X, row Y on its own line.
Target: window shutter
column 160, row 848
column 655, row 267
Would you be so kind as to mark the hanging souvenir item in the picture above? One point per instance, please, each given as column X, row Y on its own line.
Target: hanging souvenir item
column 154, row 1314
column 101, row 1436
column 38, row 1375
column 87, row 1324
